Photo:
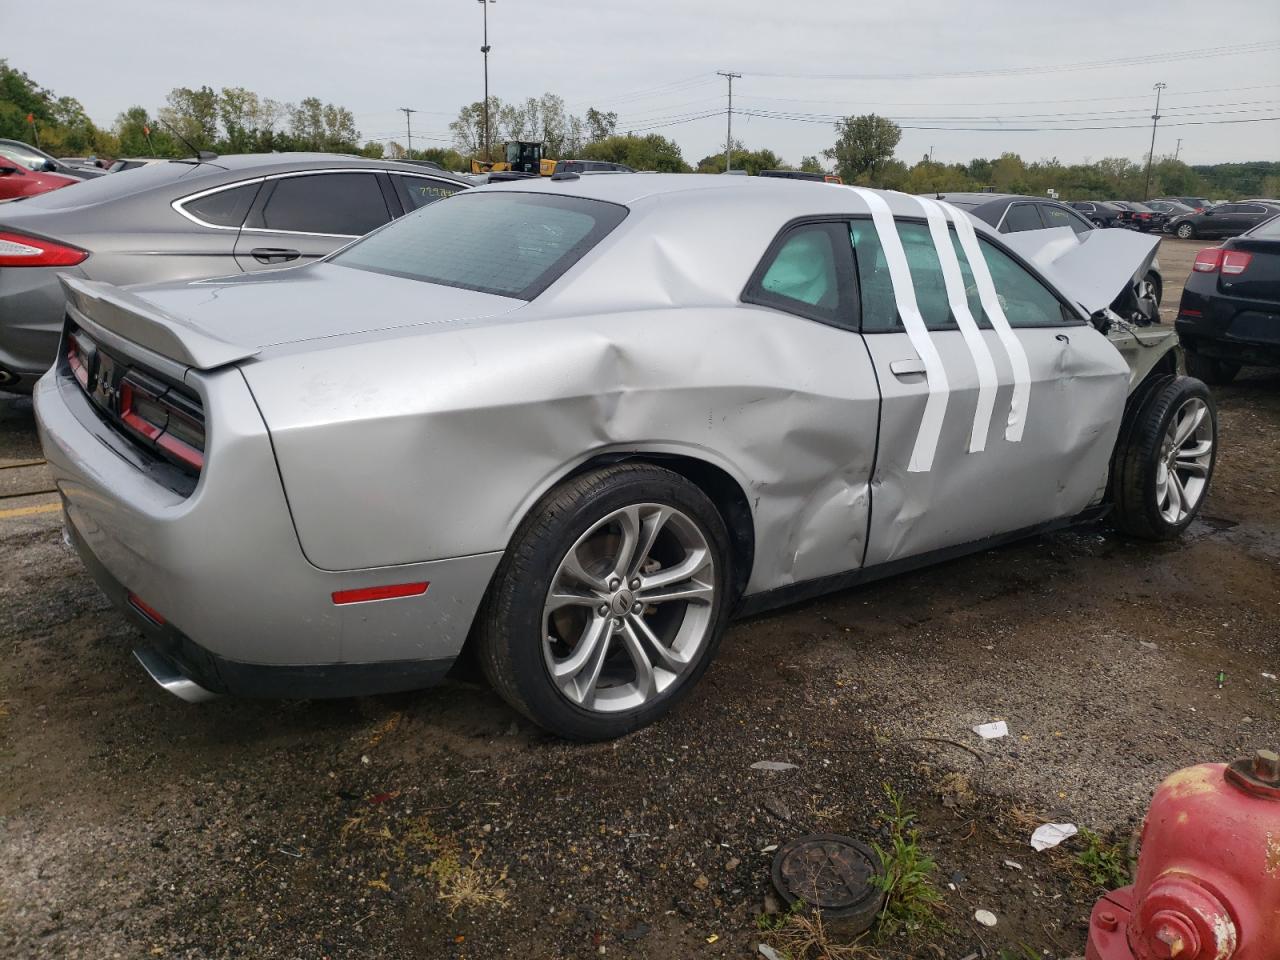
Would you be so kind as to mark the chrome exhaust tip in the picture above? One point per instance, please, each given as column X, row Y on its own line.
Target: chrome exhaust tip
column 166, row 673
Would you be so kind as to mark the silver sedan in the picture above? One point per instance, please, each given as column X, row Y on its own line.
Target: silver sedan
column 578, row 424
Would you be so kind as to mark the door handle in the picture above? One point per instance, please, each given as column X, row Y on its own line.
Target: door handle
column 905, row 368
column 1062, row 338
column 274, row 254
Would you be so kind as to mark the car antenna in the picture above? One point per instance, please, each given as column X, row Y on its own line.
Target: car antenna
column 200, row 155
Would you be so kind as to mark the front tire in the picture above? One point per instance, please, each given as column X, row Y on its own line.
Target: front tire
column 1211, row 370
column 1165, row 459
column 610, row 602
column 1186, row 231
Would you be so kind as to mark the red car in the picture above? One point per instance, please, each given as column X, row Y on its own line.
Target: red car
column 18, row 180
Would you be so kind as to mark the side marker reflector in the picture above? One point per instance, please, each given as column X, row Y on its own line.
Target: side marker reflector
column 390, row 592
column 147, row 611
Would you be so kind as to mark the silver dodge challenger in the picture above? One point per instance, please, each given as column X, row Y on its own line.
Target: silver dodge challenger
column 573, row 426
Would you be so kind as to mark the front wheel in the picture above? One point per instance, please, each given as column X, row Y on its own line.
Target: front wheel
column 1164, row 460
column 609, row 603
column 1186, row 231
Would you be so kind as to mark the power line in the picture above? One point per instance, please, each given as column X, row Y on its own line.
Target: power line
column 1171, row 56
column 1131, row 126
column 1189, row 110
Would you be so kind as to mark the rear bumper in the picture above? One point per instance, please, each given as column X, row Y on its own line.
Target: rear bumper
column 1229, row 328
column 243, row 611
column 31, row 310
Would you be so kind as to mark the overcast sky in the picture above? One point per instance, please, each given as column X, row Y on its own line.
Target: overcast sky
column 655, row 61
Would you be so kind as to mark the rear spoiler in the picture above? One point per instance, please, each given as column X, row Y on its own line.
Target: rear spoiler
column 140, row 321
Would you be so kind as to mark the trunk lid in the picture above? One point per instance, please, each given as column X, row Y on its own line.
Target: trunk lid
column 211, row 323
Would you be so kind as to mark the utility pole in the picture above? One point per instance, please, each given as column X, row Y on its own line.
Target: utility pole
column 728, row 140
column 408, row 129
column 1155, row 118
column 1178, row 151
column 485, row 50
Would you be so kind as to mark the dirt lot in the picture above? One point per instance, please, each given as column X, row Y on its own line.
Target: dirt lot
column 439, row 824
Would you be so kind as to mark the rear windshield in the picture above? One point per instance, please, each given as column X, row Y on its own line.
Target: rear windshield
column 509, row 244
column 1269, row 230
column 113, row 186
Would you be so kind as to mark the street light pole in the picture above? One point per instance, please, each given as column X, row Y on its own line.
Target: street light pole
column 1155, row 118
column 408, row 129
column 485, row 50
column 728, row 140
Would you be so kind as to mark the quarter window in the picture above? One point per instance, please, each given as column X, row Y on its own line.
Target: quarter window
column 417, row 192
column 1056, row 216
column 342, row 204
column 226, row 208
column 1021, row 216
column 808, row 273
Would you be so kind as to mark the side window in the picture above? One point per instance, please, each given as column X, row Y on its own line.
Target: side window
column 343, row 204
column 1021, row 216
column 1228, row 208
column 809, row 273
column 226, row 208
column 880, row 306
column 1026, row 302
column 1056, row 216
column 417, row 192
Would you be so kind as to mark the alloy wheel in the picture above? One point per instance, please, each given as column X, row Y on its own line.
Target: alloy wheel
column 629, row 608
column 1186, row 454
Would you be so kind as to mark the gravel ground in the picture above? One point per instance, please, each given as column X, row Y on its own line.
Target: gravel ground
column 440, row 825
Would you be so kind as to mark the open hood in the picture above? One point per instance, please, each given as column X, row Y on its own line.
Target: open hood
column 1090, row 269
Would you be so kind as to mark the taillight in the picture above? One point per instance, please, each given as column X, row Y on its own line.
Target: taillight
column 164, row 419
column 1208, row 260
column 78, row 359
column 19, row 250
column 1235, row 262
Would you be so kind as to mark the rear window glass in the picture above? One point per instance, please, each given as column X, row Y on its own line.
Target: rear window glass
column 509, row 244
column 1269, row 230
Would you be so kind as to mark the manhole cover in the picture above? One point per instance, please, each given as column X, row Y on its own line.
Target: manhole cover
column 831, row 873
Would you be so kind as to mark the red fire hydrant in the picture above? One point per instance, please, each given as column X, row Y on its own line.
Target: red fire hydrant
column 1208, row 884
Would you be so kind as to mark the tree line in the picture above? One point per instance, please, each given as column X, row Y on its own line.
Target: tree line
column 237, row 120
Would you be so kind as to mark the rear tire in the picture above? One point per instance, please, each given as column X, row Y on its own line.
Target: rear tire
column 1211, row 370
column 1186, row 231
column 585, row 597
column 1164, row 459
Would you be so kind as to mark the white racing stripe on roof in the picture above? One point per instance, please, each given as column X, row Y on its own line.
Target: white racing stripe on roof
column 959, row 303
column 991, row 305
column 935, row 408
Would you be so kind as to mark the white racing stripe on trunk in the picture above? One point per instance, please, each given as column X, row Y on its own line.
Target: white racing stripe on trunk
column 991, row 305
column 959, row 303
column 935, row 408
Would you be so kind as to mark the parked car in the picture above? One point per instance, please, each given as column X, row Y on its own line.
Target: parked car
column 133, row 163
column 1197, row 204
column 1170, row 208
column 37, row 161
column 801, row 175
column 1139, row 216
column 1224, row 220
column 583, row 422
column 17, row 181
column 1011, row 213
column 1101, row 213
column 591, row 166
column 183, row 219
column 1230, row 310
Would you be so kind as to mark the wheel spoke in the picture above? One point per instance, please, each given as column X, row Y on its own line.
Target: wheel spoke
column 650, row 528
column 1177, row 502
column 646, row 682
column 629, row 521
column 694, row 563
column 1200, row 449
column 1192, row 467
column 573, row 568
column 665, row 655
column 558, row 599
column 566, row 670
column 1188, row 423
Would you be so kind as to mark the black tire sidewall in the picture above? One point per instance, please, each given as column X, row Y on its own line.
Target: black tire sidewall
column 519, row 592
column 1139, row 498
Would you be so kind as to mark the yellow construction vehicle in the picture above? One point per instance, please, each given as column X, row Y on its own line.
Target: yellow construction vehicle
column 519, row 156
